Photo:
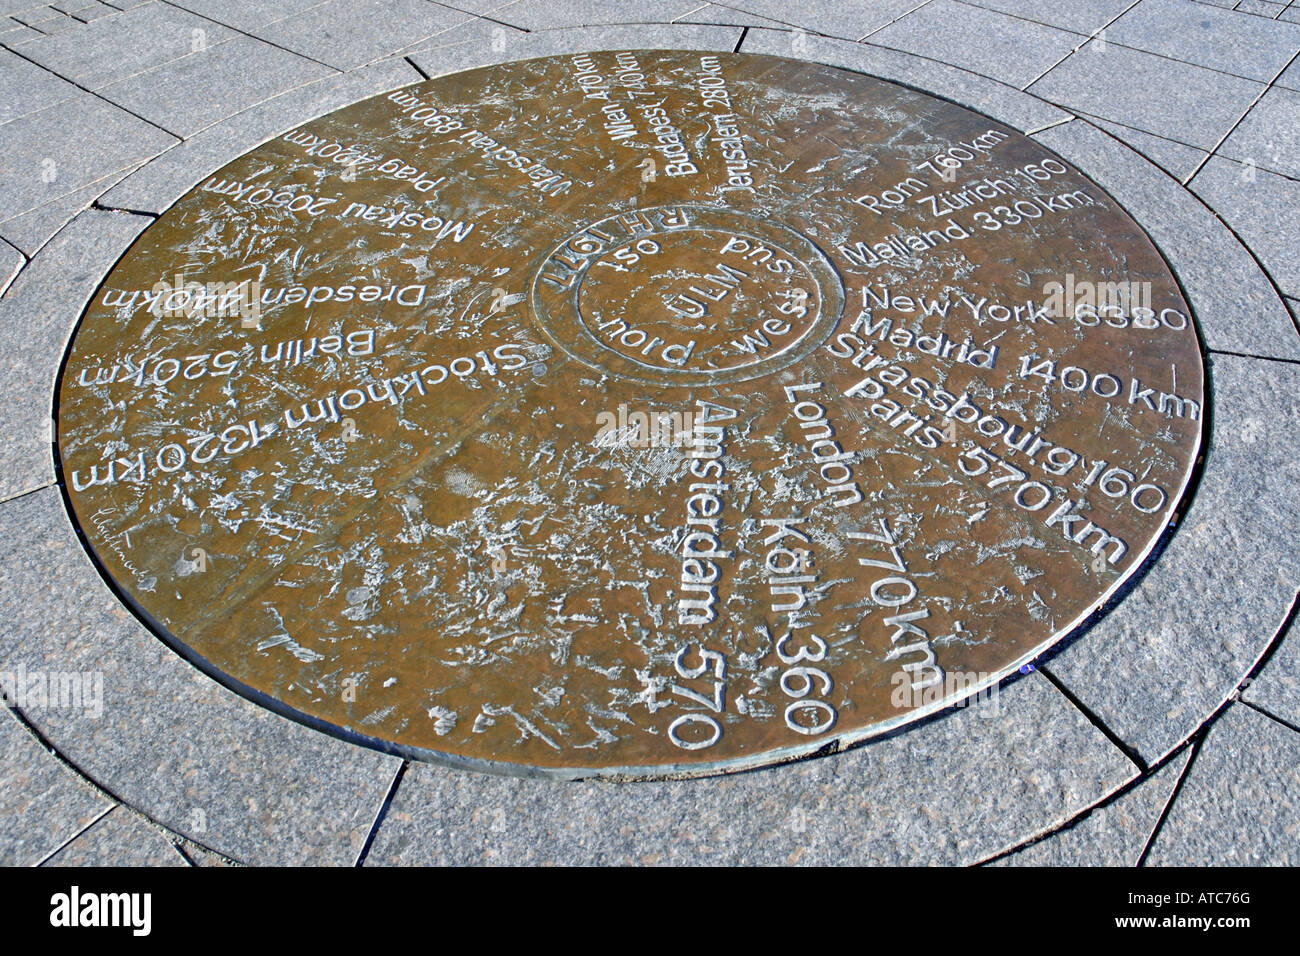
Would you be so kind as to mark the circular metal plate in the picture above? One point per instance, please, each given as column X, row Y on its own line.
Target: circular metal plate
column 633, row 414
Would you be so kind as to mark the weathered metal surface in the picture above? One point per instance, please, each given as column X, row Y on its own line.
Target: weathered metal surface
column 640, row 413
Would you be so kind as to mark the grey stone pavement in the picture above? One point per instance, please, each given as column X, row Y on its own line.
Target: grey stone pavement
column 1167, row 733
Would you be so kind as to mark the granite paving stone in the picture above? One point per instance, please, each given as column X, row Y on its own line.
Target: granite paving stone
column 119, row 839
column 43, row 804
column 28, row 88
column 11, row 260
column 1237, row 308
column 345, row 34
column 955, row 791
column 1210, row 37
column 848, row 21
column 1290, row 77
column 89, row 13
column 1240, row 802
column 56, row 24
column 8, row 7
column 245, row 15
column 1113, row 834
column 17, row 36
column 477, row 7
column 1011, row 50
column 1260, row 8
column 1179, row 101
column 1290, row 15
column 500, row 36
column 184, row 751
column 35, row 14
column 198, row 856
column 1269, row 136
column 186, row 95
column 668, row 36
column 30, row 230
column 160, row 183
column 1081, row 16
column 720, row 13
column 1177, row 159
column 37, row 314
column 552, row 14
column 1201, row 617
column 132, row 42
column 1002, row 102
column 54, row 152
column 1261, row 208
column 1276, row 688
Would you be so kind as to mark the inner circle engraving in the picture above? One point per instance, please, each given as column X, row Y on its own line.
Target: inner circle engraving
column 687, row 295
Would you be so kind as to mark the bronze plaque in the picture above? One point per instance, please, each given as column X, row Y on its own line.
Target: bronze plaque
column 631, row 414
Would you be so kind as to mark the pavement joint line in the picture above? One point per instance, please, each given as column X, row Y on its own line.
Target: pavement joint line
column 743, row 33
column 74, row 16
column 1112, row 797
column 1094, row 118
column 1174, row 59
column 1245, row 245
column 1199, row 735
column 26, row 257
column 1198, row 741
column 1018, row 16
column 124, row 171
column 1258, row 358
column 92, row 205
column 503, row 23
column 1124, row 747
column 415, row 66
column 913, row 10
column 96, row 204
column 1270, row 715
column 1051, row 125
column 1287, row 621
column 103, row 791
column 92, row 93
column 68, row 842
column 484, row 16
column 288, row 89
column 382, row 813
column 1233, row 128
column 945, row 63
column 251, row 36
column 1081, row 44
column 986, row 76
column 24, row 494
column 678, row 18
column 789, row 27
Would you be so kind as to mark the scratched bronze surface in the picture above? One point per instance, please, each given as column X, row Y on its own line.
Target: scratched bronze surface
column 630, row 414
